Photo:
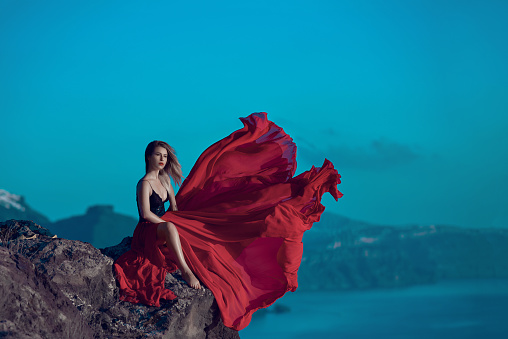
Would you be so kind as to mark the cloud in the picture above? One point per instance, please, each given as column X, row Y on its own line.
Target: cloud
column 378, row 154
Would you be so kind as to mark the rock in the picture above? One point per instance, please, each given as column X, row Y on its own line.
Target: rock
column 31, row 306
column 75, row 282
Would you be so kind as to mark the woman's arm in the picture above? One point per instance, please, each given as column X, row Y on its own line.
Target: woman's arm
column 143, row 192
column 172, row 200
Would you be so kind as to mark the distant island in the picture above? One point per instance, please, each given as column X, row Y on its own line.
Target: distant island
column 347, row 254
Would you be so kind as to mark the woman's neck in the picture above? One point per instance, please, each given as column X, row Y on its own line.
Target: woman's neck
column 153, row 174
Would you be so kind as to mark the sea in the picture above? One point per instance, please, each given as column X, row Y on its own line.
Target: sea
column 450, row 309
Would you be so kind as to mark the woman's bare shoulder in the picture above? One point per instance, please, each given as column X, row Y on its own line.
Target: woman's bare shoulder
column 143, row 182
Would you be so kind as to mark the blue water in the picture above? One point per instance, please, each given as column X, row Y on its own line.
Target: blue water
column 447, row 310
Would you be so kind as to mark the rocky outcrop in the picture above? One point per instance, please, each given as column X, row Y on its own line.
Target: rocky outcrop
column 31, row 306
column 54, row 287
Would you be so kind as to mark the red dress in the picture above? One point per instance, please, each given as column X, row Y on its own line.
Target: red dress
column 241, row 219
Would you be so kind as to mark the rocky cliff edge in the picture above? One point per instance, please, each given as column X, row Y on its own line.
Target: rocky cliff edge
column 59, row 288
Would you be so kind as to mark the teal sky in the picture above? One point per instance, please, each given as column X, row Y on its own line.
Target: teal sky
column 409, row 99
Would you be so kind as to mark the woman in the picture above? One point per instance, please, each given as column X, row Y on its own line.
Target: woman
column 239, row 224
column 161, row 163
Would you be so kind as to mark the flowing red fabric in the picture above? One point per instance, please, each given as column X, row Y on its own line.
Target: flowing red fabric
column 241, row 219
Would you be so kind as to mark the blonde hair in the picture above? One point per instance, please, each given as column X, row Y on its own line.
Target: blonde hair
column 172, row 169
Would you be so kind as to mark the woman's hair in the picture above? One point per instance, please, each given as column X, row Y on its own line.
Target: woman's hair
column 172, row 169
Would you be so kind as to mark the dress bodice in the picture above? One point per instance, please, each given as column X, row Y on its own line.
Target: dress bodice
column 156, row 205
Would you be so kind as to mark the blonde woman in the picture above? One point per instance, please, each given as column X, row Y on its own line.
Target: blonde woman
column 153, row 190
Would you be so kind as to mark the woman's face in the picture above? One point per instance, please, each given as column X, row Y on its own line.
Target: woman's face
column 159, row 158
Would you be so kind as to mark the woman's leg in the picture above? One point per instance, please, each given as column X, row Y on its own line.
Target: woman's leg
column 167, row 232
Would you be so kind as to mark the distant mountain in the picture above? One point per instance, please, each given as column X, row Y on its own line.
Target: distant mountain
column 13, row 206
column 100, row 226
column 340, row 253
